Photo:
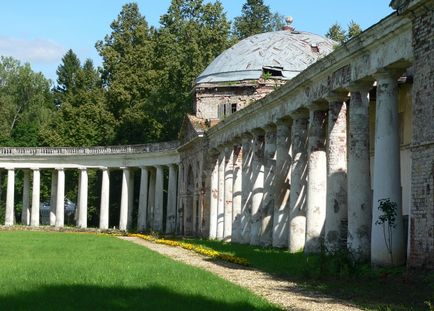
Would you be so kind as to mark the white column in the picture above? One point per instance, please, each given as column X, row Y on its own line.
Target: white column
column 358, row 176
column 130, row 200
column 282, row 184
column 25, row 216
column 82, row 212
column 246, row 186
column 151, row 199
column 258, row 186
column 123, row 218
column 34, row 220
column 53, row 198
column 171, row 200
column 387, row 172
column 60, row 202
column 317, row 182
column 143, row 199
column 105, row 198
column 214, row 196
column 267, row 210
column 297, row 200
column 335, row 237
column 221, row 196
column 158, row 210
column 229, row 182
column 10, row 202
column 236, row 193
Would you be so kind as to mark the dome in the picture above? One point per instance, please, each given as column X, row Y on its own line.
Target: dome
column 285, row 52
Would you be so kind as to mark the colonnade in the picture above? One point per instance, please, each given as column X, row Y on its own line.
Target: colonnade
column 150, row 201
column 302, row 181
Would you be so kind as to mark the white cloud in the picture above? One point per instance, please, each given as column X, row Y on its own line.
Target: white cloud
column 34, row 51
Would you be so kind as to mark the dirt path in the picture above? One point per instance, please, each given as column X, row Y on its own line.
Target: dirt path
column 286, row 294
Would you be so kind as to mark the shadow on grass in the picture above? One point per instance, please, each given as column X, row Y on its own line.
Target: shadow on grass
column 86, row 297
column 334, row 276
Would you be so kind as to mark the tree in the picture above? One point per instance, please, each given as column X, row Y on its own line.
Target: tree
column 67, row 72
column 256, row 17
column 340, row 35
column 25, row 103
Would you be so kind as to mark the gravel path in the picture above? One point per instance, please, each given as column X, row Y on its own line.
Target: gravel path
column 284, row 293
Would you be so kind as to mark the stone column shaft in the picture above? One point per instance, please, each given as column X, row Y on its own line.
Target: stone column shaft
column 171, row 200
column 60, row 201
column 53, row 199
column 158, row 211
column 179, row 219
column 258, row 187
column 336, row 210
column 130, row 200
column 282, row 184
column 143, row 199
column 221, row 196
column 82, row 213
column 317, row 182
column 387, row 172
column 151, row 199
column 34, row 219
column 297, row 201
column 229, row 182
column 214, row 198
column 10, row 200
column 25, row 216
column 236, row 195
column 246, row 185
column 123, row 219
column 105, row 199
column 267, row 210
column 358, row 177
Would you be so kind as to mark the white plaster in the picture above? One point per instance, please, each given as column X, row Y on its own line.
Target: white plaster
column 34, row 220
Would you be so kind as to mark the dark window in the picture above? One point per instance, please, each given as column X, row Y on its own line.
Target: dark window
column 272, row 71
column 233, row 108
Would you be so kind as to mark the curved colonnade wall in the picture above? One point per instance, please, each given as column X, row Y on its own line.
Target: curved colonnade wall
column 151, row 159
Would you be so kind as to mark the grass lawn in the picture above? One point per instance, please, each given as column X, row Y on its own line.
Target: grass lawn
column 70, row 271
column 383, row 289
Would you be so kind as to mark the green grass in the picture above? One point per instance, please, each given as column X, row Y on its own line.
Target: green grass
column 70, row 271
column 372, row 289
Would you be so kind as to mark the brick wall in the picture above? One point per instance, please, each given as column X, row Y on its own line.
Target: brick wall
column 421, row 247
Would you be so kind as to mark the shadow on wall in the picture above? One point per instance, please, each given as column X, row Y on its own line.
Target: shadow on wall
column 83, row 297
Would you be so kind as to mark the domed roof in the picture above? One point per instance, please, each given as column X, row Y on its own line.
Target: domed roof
column 287, row 51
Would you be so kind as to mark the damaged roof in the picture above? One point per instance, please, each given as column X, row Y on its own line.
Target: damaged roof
column 289, row 51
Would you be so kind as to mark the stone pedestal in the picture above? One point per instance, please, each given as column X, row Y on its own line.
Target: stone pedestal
column 229, row 180
column 171, row 200
column 105, row 197
column 60, row 202
column 267, row 209
column 25, row 215
column 297, row 204
column 336, row 210
column 282, row 184
column 387, row 172
column 34, row 219
column 317, row 182
column 258, row 186
column 143, row 199
column 358, row 177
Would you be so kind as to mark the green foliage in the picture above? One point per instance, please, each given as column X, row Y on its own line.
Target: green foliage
column 340, row 35
column 387, row 220
column 256, row 17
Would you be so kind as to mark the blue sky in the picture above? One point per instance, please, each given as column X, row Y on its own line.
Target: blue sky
column 40, row 32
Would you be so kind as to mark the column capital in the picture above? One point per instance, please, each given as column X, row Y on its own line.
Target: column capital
column 59, row 168
column 213, row 152
column 35, row 168
column 270, row 127
column 237, row 140
column 83, row 168
column 336, row 97
column 318, row 106
column 246, row 135
column 258, row 132
column 302, row 113
column 104, row 168
column 388, row 74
